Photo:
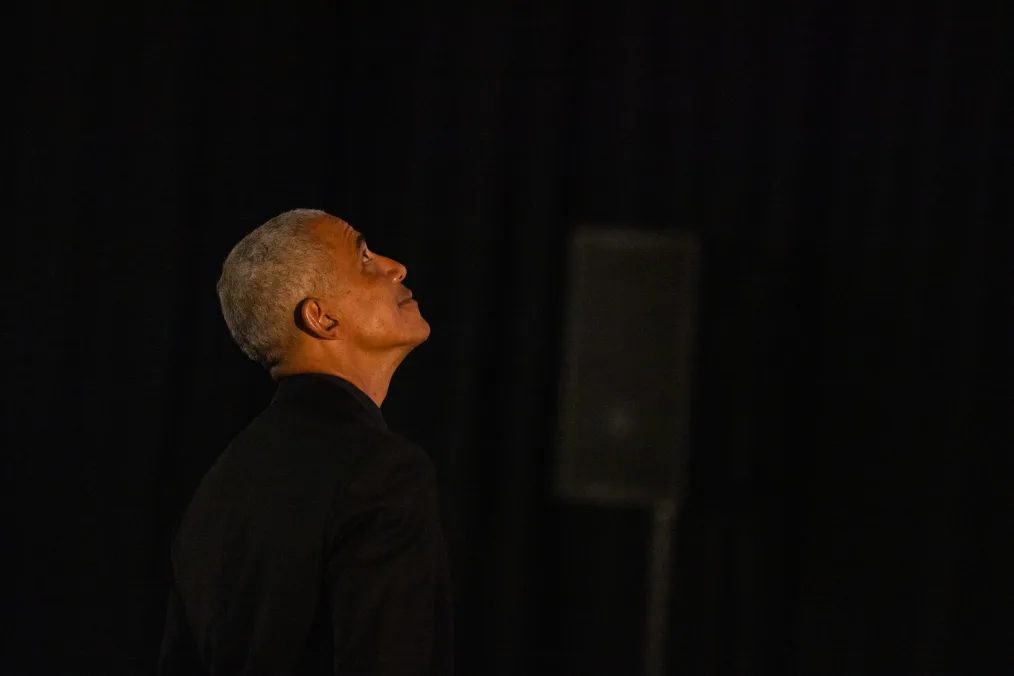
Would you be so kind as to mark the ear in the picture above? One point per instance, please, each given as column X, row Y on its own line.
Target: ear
column 314, row 319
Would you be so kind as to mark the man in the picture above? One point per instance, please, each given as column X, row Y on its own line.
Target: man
column 313, row 545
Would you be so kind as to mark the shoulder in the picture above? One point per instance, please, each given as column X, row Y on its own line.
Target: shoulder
column 391, row 473
column 392, row 478
column 391, row 461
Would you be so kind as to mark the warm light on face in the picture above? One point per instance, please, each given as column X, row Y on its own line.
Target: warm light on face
column 371, row 301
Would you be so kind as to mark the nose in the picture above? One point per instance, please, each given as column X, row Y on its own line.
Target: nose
column 398, row 271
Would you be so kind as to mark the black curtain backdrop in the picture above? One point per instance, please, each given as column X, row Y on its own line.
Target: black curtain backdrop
column 850, row 493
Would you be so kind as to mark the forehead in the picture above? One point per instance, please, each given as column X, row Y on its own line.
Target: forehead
column 337, row 233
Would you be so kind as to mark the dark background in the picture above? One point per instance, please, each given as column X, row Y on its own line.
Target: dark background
column 850, row 493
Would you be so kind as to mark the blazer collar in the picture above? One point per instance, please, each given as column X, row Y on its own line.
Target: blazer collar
column 325, row 385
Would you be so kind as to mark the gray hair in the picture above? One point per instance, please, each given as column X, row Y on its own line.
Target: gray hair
column 265, row 277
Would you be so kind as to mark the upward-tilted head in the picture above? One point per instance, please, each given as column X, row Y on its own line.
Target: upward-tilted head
column 305, row 292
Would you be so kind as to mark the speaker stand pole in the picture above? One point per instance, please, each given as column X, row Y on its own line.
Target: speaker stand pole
column 660, row 556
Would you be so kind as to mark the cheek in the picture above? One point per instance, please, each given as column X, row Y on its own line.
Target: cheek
column 376, row 314
column 373, row 313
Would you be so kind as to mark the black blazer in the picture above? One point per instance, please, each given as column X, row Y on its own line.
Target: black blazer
column 312, row 546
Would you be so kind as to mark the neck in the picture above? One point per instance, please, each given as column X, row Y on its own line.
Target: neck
column 370, row 373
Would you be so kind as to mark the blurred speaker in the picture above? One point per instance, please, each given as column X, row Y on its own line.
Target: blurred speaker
column 625, row 388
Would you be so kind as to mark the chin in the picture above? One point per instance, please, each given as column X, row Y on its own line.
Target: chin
column 423, row 332
column 413, row 333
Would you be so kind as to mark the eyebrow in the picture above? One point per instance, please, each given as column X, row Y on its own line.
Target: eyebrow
column 360, row 241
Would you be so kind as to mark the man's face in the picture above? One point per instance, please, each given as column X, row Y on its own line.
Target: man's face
column 372, row 305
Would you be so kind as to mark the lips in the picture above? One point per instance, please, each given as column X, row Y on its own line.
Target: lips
column 406, row 300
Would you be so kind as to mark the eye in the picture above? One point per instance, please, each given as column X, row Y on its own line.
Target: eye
column 366, row 254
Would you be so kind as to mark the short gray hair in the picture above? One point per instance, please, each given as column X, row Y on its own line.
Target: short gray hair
column 265, row 277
